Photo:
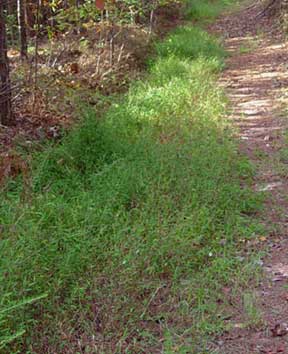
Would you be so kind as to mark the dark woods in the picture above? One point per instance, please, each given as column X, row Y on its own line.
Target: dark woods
column 25, row 24
column 5, row 86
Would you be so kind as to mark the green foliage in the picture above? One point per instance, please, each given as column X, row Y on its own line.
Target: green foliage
column 191, row 43
column 11, row 29
column 66, row 19
column 129, row 205
column 6, row 313
column 118, row 12
column 205, row 9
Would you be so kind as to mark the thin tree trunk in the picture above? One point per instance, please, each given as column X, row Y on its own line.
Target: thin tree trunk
column 22, row 28
column 11, row 11
column 5, row 87
column 36, row 49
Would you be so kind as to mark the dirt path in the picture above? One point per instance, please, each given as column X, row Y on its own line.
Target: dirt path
column 255, row 80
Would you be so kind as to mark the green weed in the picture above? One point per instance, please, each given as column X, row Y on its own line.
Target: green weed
column 191, row 43
column 249, row 45
column 251, row 309
column 205, row 9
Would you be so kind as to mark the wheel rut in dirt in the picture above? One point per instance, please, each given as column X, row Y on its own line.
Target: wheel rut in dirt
column 255, row 80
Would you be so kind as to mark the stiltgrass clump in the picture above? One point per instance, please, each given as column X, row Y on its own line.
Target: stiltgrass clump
column 205, row 9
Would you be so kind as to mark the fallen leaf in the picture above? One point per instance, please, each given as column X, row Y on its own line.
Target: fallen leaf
column 226, row 290
column 100, row 4
column 74, row 68
column 278, row 279
column 280, row 329
column 281, row 348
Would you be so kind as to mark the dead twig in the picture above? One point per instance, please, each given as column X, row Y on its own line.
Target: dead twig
column 263, row 13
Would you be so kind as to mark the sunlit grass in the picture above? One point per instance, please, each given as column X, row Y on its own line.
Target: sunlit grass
column 205, row 9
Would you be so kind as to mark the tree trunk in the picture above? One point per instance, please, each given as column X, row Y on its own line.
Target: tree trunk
column 11, row 11
column 5, row 88
column 22, row 28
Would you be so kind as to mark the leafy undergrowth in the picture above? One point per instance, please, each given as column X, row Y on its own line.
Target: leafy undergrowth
column 128, row 230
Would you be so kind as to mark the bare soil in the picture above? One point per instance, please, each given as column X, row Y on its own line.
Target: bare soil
column 256, row 80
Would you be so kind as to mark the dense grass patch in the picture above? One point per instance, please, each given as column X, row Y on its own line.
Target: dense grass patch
column 205, row 9
column 191, row 43
column 129, row 227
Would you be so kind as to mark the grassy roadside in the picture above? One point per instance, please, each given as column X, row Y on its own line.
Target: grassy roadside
column 206, row 10
column 129, row 230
